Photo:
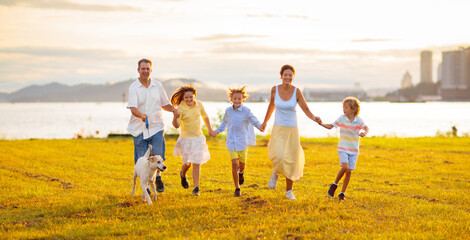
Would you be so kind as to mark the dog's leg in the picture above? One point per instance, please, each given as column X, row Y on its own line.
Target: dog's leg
column 154, row 191
column 133, row 186
column 146, row 195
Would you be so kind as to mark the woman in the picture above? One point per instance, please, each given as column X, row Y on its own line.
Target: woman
column 284, row 148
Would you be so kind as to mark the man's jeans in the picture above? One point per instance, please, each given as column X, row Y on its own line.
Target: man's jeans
column 141, row 145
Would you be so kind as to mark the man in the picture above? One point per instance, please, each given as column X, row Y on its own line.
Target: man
column 147, row 97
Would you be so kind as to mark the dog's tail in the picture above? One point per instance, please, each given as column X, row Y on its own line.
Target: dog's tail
column 149, row 150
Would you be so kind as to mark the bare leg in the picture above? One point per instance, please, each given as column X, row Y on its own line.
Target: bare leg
column 346, row 180
column 196, row 173
column 344, row 168
column 185, row 168
column 241, row 166
column 235, row 167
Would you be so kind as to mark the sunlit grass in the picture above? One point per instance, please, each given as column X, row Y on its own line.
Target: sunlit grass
column 402, row 188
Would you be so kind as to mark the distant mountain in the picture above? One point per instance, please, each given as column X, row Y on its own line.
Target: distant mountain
column 116, row 92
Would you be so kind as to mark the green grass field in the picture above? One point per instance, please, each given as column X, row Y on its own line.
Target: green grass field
column 403, row 188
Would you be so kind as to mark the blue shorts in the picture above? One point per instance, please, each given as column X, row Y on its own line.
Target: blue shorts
column 349, row 158
column 141, row 145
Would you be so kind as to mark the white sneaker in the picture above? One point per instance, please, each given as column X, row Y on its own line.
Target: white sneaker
column 273, row 181
column 290, row 195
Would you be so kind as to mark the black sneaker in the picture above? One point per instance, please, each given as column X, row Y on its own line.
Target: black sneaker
column 184, row 182
column 341, row 196
column 159, row 183
column 241, row 178
column 195, row 191
column 237, row 192
column 332, row 189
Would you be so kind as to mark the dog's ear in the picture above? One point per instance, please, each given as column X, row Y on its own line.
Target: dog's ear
column 152, row 159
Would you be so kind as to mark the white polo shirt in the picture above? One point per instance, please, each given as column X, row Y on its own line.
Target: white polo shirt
column 148, row 101
column 349, row 133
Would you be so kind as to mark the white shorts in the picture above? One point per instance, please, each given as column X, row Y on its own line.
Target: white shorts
column 349, row 158
column 192, row 150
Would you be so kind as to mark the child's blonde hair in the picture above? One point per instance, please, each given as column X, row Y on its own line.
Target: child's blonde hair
column 178, row 95
column 354, row 103
column 241, row 90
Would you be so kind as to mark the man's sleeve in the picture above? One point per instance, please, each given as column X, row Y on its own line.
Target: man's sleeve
column 132, row 101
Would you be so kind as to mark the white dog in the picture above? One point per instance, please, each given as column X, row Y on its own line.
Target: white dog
column 146, row 169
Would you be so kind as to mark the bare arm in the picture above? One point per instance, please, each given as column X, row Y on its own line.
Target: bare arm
column 327, row 126
column 176, row 121
column 172, row 109
column 270, row 110
column 138, row 113
column 208, row 124
column 303, row 105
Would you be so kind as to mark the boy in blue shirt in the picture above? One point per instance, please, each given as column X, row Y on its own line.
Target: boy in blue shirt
column 240, row 134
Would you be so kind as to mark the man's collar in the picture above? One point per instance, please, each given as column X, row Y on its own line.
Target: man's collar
column 152, row 83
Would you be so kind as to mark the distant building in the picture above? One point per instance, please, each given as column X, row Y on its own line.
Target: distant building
column 406, row 80
column 456, row 75
column 439, row 72
column 426, row 67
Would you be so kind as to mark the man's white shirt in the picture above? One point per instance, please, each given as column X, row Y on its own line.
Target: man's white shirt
column 148, row 101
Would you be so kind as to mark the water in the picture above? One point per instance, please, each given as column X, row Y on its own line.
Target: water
column 68, row 120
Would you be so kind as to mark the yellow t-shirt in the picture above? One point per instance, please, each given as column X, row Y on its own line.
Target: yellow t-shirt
column 190, row 119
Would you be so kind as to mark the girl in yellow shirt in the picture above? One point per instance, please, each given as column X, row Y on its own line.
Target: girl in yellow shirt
column 191, row 144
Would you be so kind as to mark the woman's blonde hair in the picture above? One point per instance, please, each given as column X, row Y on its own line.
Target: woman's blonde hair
column 178, row 95
column 354, row 103
column 241, row 90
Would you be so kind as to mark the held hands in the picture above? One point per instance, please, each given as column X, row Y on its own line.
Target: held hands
column 362, row 134
column 176, row 113
column 318, row 120
column 212, row 133
column 262, row 127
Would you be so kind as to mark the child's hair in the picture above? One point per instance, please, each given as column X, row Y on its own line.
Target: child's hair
column 178, row 95
column 287, row 67
column 241, row 90
column 354, row 103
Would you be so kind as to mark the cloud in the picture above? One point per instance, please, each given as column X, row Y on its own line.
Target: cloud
column 268, row 15
column 68, row 5
column 372, row 40
column 34, row 65
column 217, row 37
column 240, row 48
column 64, row 52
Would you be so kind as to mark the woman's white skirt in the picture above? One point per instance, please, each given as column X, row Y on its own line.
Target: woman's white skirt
column 192, row 150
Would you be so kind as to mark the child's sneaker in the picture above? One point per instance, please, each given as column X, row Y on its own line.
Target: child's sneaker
column 290, row 195
column 241, row 178
column 273, row 181
column 184, row 182
column 332, row 189
column 237, row 192
column 341, row 196
column 196, row 191
column 159, row 183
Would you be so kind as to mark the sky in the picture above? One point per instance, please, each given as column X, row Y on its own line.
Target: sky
column 226, row 43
